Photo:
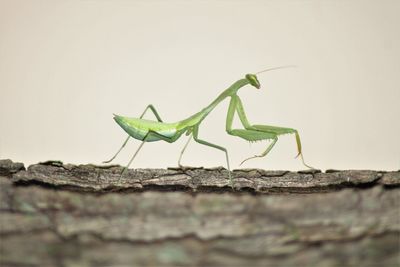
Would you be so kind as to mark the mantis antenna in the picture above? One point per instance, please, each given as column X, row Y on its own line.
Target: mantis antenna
column 276, row 68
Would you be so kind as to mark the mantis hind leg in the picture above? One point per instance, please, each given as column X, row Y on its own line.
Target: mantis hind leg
column 151, row 107
column 119, row 150
column 195, row 137
column 148, row 135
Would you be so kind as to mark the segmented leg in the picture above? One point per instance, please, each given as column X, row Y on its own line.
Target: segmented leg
column 252, row 136
column 183, row 150
column 274, row 140
column 257, row 132
column 281, row 131
column 148, row 135
column 151, row 107
column 195, row 137
column 119, row 150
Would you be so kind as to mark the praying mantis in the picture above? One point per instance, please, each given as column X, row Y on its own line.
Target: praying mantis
column 151, row 130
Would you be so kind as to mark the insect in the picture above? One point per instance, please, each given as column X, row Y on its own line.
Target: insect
column 151, row 130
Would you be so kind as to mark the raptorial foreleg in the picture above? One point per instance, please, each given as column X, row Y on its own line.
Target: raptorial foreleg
column 281, row 131
column 258, row 132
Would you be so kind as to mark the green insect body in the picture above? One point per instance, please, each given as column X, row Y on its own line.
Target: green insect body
column 151, row 131
column 139, row 128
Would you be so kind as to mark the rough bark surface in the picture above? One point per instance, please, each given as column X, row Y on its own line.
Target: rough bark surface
column 84, row 215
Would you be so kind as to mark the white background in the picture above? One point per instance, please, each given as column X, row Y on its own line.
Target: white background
column 66, row 66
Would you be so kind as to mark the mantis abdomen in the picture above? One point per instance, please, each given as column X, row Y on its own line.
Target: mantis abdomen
column 140, row 128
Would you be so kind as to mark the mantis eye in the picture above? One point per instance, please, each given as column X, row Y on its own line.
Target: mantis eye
column 252, row 78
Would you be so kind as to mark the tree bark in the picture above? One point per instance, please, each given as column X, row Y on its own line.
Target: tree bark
column 84, row 215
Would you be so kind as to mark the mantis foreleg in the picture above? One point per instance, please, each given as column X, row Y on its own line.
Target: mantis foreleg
column 281, row 131
column 264, row 153
column 151, row 107
column 195, row 137
column 257, row 132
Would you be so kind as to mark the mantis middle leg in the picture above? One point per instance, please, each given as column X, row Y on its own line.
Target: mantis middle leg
column 151, row 107
column 183, row 150
column 195, row 137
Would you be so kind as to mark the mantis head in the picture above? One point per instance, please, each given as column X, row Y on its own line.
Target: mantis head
column 252, row 78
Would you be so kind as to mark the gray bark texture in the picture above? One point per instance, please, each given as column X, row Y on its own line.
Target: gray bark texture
column 55, row 214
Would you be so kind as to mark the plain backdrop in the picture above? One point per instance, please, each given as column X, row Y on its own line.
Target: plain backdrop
column 66, row 66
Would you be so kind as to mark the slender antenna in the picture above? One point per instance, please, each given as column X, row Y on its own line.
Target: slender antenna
column 281, row 67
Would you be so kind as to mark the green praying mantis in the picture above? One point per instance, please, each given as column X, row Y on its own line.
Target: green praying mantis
column 151, row 130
